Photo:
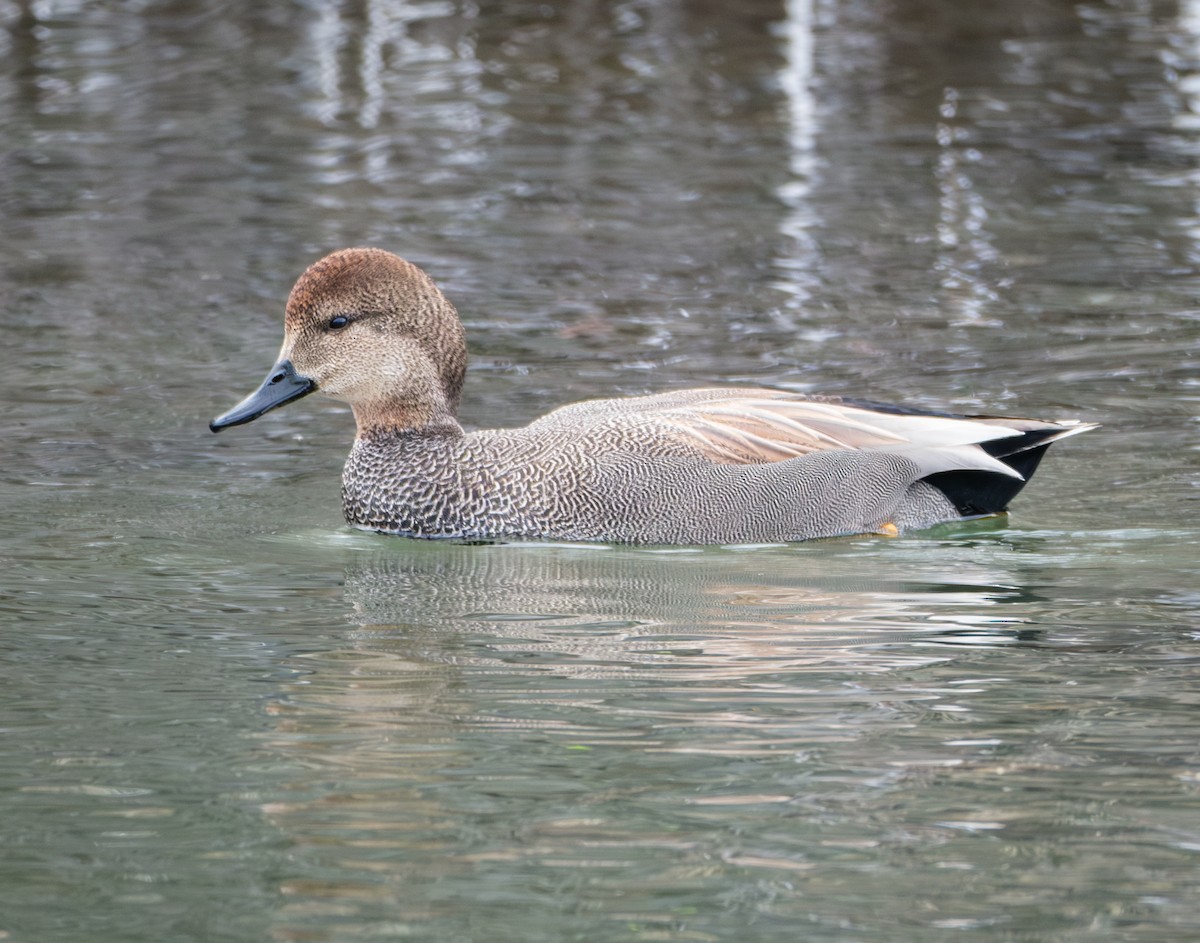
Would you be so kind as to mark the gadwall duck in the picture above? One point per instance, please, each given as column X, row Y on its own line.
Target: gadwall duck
column 695, row 466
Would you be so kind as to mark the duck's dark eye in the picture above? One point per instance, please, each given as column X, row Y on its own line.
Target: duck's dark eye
column 339, row 322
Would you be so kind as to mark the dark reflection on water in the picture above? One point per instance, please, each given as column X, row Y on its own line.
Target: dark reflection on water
column 224, row 717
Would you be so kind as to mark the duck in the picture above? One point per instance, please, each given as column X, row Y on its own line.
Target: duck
column 721, row 465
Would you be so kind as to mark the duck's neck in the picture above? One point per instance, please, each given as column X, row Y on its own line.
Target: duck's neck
column 376, row 422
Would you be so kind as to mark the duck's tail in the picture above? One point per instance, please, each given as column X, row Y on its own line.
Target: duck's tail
column 980, row 493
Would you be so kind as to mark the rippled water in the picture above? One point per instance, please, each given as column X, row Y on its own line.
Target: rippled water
column 224, row 716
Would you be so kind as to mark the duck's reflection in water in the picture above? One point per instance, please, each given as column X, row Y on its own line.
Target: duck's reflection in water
column 480, row 634
column 512, row 715
column 715, row 613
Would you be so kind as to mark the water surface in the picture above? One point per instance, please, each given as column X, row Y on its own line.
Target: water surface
column 225, row 716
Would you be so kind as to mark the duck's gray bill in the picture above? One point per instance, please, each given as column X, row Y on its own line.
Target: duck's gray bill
column 282, row 385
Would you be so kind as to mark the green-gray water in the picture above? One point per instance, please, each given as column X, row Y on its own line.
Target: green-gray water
column 226, row 717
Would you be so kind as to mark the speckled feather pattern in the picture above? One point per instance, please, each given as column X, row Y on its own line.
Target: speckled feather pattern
column 624, row 478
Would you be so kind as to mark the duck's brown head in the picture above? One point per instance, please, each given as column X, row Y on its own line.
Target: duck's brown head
column 370, row 329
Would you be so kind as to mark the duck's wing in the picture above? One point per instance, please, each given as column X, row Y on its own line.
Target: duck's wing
column 742, row 426
column 752, row 426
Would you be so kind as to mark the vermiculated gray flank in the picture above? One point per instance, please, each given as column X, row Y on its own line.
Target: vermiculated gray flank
column 695, row 466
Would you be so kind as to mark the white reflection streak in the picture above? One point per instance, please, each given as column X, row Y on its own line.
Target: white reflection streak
column 1188, row 85
column 327, row 36
column 795, row 80
column 370, row 67
column 387, row 22
column 962, row 216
